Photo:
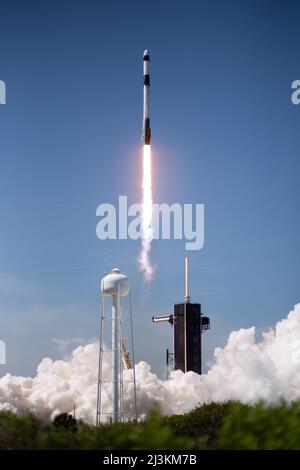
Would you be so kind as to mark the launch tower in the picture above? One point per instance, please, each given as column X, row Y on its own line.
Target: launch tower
column 188, row 325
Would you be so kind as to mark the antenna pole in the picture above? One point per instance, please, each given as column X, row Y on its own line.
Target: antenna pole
column 187, row 287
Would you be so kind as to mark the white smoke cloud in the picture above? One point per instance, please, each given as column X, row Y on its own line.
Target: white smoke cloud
column 243, row 370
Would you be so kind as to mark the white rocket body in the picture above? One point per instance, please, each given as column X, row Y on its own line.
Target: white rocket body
column 146, row 136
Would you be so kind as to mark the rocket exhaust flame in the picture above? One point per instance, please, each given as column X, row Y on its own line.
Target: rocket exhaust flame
column 146, row 221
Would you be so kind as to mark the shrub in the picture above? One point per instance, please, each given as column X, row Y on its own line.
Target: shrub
column 30, row 433
column 229, row 425
column 202, row 424
column 262, row 427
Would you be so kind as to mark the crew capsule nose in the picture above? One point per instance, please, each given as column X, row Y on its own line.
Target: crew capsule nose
column 146, row 55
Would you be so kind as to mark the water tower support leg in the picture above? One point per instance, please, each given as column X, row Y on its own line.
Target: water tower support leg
column 115, row 359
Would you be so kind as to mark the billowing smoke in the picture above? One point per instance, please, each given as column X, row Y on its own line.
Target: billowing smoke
column 147, row 218
column 243, row 370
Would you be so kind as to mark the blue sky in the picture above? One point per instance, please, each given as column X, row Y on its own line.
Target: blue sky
column 225, row 134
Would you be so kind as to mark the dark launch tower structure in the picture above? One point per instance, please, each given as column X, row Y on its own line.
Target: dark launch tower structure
column 188, row 325
column 187, row 337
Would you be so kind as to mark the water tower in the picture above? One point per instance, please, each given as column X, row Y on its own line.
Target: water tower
column 115, row 285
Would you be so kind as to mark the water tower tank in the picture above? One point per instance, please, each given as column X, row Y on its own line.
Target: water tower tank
column 115, row 283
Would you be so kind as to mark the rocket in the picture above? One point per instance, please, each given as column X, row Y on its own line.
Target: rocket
column 146, row 135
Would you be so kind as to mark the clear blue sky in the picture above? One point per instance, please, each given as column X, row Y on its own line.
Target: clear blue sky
column 224, row 134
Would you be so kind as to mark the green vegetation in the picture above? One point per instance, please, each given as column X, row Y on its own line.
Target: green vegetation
column 262, row 427
column 229, row 425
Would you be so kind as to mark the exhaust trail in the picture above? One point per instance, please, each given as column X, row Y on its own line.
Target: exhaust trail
column 146, row 217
